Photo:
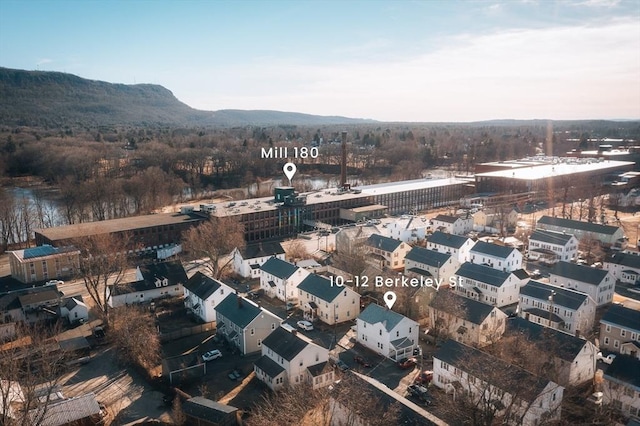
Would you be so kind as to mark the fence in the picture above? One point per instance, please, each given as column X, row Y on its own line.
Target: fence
column 187, row 331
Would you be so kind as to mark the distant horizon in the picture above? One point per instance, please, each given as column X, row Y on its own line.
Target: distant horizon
column 388, row 61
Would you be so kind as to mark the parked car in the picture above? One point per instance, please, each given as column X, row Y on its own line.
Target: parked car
column 424, row 377
column 305, row 325
column 421, row 393
column 362, row 361
column 417, row 351
column 211, row 355
column 407, row 363
column 54, row 282
column 606, row 359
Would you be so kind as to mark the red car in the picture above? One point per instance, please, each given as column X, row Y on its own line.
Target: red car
column 424, row 378
column 407, row 363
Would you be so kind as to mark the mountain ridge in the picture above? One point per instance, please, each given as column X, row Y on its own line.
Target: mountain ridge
column 56, row 99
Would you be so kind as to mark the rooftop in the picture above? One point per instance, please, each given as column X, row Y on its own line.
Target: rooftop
column 239, row 310
column 551, row 237
column 428, row 257
column 630, row 260
column 461, row 307
column 578, row 225
column 446, row 218
column 263, row 249
column 448, row 240
column 483, row 274
column 573, row 271
column 491, row 249
column 624, row 368
column 202, row 285
column 563, row 167
column 383, row 243
column 279, row 268
column 320, row 287
column 206, row 409
column 374, row 314
column 561, row 296
column 284, row 343
column 621, row 316
column 408, row 185
column 67, row 411
column 45, row 250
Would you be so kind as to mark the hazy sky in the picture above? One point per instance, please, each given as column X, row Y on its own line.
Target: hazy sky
column 385, row 60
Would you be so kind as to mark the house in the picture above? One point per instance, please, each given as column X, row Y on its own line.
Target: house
column 465, row 320
column 387, row 252
column 488, row 285
column 201, row 411
column 574, row 358
column 624, row 266
column 279, row 278
column 43, row 263
column 153, row 281
column 202, row 294
column 430, row 263
column 597, row 283
column 74, row 310
column 326, row 301
column 248, row 260
column 350, row 241
column 621, row 386
column 499, row 257
column 244, row 324
column 482, row 379
column 290, row 359
column 495, row 219
column 618, row 326
column 408, row 229
column 82, row 410
column 551, row 247
column 607, row 235
column 387, row 332
column 556, row 307
column 457, row 246
column 452, row 224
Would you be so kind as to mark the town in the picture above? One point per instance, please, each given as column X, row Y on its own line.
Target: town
column 491, row 294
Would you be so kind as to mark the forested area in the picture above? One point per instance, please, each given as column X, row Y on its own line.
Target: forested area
column 109, row 172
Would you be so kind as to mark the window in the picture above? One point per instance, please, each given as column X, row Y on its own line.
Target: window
column 273, row 326
column 259, row 343
column 623, row 332
column 381, row 332
column 253, row 331
column 616, row 343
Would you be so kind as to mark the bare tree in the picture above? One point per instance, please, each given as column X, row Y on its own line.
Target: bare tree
column 103, row 262
column 212, row 240
column 177, row 415
column 135, row 337
column 297, row 251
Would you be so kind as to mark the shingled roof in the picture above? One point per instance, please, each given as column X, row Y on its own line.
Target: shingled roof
column 629, row 260
column 253, row 251
column 618, row 315
column 428, row 257
column 462, row 307
column 374, row 314
column 624, row 368
column 238, row 310
column 579, row 225
column 202, row 285
column 563, row 297
column 446, row 218
column 320, row 287
column 491, row 249
column 448, row 240
column 284, row 343
column 551, row 237
column 383, row 243
column 483, row 274
column 581, row 273
column 279, row 268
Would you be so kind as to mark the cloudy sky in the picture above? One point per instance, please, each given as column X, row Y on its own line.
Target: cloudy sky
column 386, row 60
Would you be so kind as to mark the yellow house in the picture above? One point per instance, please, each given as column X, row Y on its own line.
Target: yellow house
column 44, row 263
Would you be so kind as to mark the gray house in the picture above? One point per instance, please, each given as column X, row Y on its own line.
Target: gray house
column 245, row 324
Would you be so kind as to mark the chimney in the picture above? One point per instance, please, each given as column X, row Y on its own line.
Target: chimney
column 239, row 302
column 343, row 163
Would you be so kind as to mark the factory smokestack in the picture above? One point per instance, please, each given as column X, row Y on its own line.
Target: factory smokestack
column 343, row 163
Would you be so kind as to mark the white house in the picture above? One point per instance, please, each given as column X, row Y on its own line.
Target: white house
column 153, row 281
column 387, row 252
column 73, row 309
column 495, row 218
column 624, row 266
column 609, row 236
column 387, row 332
column 556, row 307
column 244, row 324
column 430, row 263
column 499, row 257
column 457, row 246
column 597, row 283
column 574, row 358
column 489, row 285
column 452, row 224
column 202, row 294
column 551, row 246
column 408, row 229
column 466, row 320
column 325, row 301
column 248, row 260
column 290, row 359
column 621, row 386
column 280, row 279
column 468, row 372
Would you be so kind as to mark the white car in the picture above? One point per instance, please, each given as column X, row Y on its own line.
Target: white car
column 305, row 325
column 211, row 355
column 54, row 282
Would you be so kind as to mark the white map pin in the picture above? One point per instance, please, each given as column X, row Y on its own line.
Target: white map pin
column 289, row 170
column 389, row 298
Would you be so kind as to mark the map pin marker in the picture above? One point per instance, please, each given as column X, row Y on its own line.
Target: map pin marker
column 289, row 170
column 389, row 298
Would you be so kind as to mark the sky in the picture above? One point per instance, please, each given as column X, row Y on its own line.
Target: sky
column 401, row 60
